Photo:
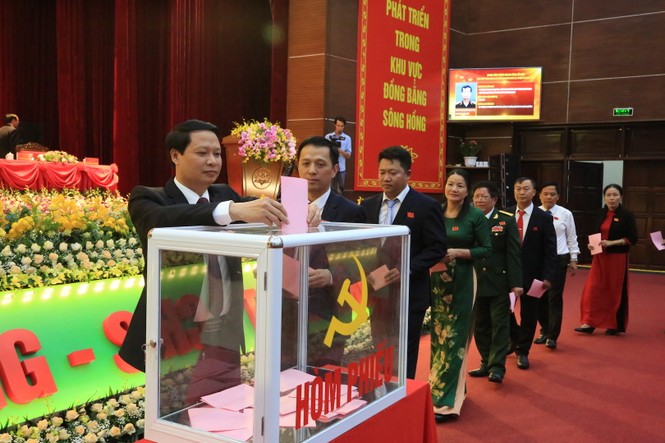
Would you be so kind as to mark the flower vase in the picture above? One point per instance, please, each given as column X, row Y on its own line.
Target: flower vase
column 261, row 179
column 470, row 162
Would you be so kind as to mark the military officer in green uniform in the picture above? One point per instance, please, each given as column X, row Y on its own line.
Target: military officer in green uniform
column 498, row 275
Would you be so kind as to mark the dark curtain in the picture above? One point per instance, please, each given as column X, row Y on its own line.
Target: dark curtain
column 108, row 79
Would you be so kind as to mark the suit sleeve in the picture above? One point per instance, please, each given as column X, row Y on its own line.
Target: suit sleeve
column 481, row 232
column 150, row 208
column 433, row 239
column 513, row 253
column 549, row 249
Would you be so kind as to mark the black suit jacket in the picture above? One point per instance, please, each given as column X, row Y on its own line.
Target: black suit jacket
column 423, row 216
column 538, row 248
column 341, row 209
column 622, row 226
column 167, row 207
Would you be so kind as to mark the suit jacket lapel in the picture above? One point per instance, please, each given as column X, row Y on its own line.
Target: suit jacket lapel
column 404, row 207
column 172, row 191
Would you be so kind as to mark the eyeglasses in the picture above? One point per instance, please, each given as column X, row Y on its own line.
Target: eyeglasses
column 482, row 197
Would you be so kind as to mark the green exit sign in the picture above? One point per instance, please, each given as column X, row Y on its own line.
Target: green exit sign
column 622, row 112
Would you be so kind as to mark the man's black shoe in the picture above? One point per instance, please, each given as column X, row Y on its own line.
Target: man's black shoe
column 522, row 361
column 540, row 339
column 495, row 377
column 480, row 372
column 550, row 343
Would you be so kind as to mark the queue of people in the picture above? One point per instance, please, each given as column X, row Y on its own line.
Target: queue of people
column 478, row 255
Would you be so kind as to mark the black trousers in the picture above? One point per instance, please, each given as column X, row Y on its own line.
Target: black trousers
column 550, row 307
column 491, row 331
column 521, row 335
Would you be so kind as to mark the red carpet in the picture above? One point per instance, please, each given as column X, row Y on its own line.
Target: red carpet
column 591, row 389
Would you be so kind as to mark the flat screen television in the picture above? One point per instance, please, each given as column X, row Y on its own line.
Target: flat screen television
column 494, row 94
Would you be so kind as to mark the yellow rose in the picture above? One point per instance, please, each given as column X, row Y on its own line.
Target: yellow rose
column 71, row 415
column 80, row 429
column 90, row 438
column 129, row 429
column 43, row 424
column 5, row 438
column 115, row 431
column 56, row 421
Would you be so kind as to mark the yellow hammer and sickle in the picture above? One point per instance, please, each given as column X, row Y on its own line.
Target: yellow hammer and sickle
column 360, row 309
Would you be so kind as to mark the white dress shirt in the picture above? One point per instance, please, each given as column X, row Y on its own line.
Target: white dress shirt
column 566, row 234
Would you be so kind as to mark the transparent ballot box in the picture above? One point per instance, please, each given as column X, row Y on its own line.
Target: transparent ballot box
column 263, row 335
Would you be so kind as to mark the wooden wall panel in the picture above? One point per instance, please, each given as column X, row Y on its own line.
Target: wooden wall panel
column 589, row 10
column 521, row 47
column 596, row 143
column 608, row 48
column 646, row 141
column 544, row 144
column 307, row 27
column 306, row 87
column 490, row 15
column 593, row 101
column 554, row 102
column 343, row 28
column 340, row 92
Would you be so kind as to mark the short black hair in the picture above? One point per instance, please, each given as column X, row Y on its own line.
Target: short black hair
column 555, row 184
column 340, row 118
column 615, row 186
column 397, row 153
column 523, row 179
column 180, row 136
column 320, row 142
column 467, row 87
column 491, row 187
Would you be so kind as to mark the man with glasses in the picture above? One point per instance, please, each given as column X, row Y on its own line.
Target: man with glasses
column 498, row 275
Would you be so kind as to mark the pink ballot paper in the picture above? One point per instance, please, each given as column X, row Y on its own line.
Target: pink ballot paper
column 377, row 278
column 234, row 399
column 657, row 239
column 594, row 240
column 294, row 199
column 536, row 289
column 513, row 299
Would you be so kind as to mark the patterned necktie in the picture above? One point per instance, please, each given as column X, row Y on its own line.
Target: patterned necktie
column 520, row 224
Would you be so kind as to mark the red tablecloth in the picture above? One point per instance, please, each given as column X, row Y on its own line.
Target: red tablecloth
column 409, row 420
column 21, row 174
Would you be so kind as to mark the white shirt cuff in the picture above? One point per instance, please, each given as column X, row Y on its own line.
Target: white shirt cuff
column 221, row 213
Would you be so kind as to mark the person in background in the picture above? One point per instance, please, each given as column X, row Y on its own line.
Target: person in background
column 498, row 275
column 453, row 296
column 9, row 135
column 342, row 142
column 538, row 263
column 550, row 307
column 466, row 101
column 422, row 215
column 604, row 302
column 196, row 152
column 317, row 163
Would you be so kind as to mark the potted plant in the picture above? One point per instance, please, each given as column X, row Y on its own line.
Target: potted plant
column 469, row 150
column 264, row 148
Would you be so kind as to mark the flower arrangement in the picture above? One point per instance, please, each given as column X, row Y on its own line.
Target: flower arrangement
column 49, row 238
column 116, row 419
column 470, row 148
column 265, row 141
column 57, row 156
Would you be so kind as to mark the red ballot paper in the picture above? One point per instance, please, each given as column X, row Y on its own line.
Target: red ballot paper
column 594, row 240
column 536, row 289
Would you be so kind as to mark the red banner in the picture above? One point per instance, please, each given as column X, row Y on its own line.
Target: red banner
column 402, row 66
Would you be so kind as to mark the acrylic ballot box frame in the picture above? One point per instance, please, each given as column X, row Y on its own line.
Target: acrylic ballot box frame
column 266, row 246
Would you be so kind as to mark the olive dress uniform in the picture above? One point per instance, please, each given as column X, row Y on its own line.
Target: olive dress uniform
column 497, row 274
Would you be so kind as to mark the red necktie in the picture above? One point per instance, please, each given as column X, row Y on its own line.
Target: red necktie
column 520, row 224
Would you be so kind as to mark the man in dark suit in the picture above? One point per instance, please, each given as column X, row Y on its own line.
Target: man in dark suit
column 9, row 135
column 401, row 205
column 538, row 237
column 317, row 163
column 195, row 150
column 497, row 276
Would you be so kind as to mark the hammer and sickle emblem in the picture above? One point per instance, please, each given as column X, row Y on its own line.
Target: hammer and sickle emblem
column 359, row 308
